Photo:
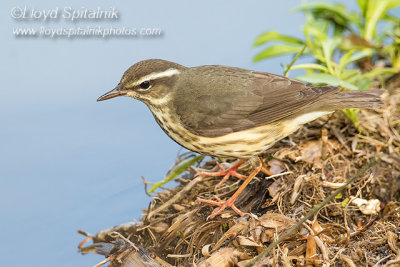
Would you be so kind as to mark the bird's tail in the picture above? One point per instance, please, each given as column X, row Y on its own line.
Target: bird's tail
column 370, row 99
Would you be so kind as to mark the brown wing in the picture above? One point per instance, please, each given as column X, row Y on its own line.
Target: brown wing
column 238, row 101
column 283, row 97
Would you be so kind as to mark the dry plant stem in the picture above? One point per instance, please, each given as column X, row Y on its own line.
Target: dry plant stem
column 346, row 225
column 116, row 234
column 347, row 260
column 395, row 261
column 102, row 262
column 88, row 237
column 381, row 260
column 84, row 241
column 176, row 197
column 312, row 212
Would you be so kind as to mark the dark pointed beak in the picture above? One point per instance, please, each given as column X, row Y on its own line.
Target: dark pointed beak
column 113, row 93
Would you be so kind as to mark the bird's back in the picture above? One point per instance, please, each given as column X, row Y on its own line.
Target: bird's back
column 216, row 100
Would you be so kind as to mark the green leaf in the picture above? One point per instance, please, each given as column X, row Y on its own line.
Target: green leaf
column 352, row 114
column 364, row 84
column 359, row 55
column 309, row 66
column 181, row 167
column 311, row 42
column 317, row 28
column 377, row 72
column 328, row 47
column 351, row 75
column 334, row 12
column 349, row 58
column 344, row 202
column 325, row 78
column 272, row 35
column 277, row 50
column 363, row 4
column 343, row 61
column 376, row 10
column 393, row 4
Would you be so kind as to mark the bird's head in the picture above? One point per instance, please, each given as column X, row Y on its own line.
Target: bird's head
column 149, row 81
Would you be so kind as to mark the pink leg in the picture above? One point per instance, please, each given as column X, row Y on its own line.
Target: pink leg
column 226, row 173
column 231, row 201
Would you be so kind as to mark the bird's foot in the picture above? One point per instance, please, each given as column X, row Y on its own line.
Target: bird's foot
column 222, row 204
column 264, row 169
column 231, row 201
column 232, row 171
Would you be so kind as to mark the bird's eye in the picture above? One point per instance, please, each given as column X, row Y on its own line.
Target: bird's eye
column 145, row 85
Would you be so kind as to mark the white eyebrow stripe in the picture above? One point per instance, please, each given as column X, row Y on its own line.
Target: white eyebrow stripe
column 155, row 75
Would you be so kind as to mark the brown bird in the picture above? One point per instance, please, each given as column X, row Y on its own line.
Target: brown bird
column 230, row 112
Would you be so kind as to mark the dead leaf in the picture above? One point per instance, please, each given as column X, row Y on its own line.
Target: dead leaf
column 160, row 227
column 332, row 185
column 315, row 151
column 224, row 257
column 354, row 41
column 276, row 166
column 178, row 207
column 275, row 187
column 234, row 231
column 287, row 152
column 261, row 263
column 311, row 251
column 296, row 188
column 276, row 221
column 311, row 151
column 392, row 241
column 267, row 235
column 299, row 250
column 247, row 241
column 316, row 227
column 206, row 250
column 367, row 207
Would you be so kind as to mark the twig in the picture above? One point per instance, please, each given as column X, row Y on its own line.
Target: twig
column 381, row 260
column 88, row 237
column 116, row 234
column 347, row 260
column 294, row 60
column 176, row 197
column 346, row 225
column 102, row 262
column 312, row 212
column 395, row 261
column 278, row 174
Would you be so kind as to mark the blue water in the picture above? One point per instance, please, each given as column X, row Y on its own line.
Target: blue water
column 68, row 162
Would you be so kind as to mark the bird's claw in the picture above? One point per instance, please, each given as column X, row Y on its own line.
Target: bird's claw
column 232, row 171
column 222, row 204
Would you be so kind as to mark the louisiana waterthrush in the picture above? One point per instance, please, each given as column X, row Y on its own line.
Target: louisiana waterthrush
column 230, row 112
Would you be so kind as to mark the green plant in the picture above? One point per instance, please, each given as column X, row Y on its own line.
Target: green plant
column 349, row 49
column 180, row 167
